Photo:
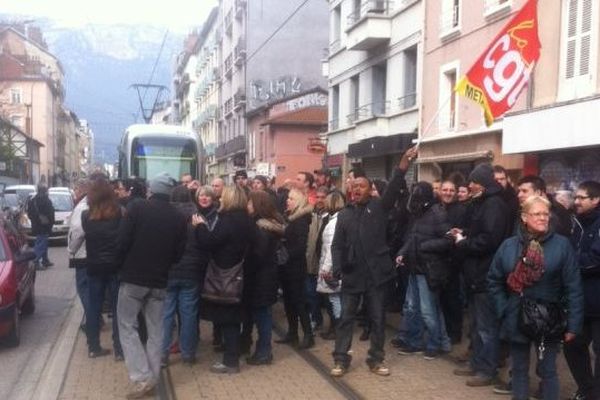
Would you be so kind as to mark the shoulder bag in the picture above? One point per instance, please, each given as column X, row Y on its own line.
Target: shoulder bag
column 223, row 286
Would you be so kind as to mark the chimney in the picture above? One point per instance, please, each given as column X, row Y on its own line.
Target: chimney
column 34, row 34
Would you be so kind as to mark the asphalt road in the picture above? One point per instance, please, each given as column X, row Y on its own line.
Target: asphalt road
column 21, row 367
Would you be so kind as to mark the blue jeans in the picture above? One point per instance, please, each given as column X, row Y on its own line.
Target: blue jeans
column 546, row 369
column 264, row 325
column 182, row 299
column 83, row 291
column 424, row 315
column 484, row 335
column 40, row 248
column 312, row 300
column 97, row 286
column 335, row 299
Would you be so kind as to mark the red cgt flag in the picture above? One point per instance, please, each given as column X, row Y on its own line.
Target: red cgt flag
column 502, row 71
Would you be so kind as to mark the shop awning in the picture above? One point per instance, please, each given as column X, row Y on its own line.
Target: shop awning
column 381, row 145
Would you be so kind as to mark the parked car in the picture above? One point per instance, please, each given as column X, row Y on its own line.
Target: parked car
column 17, row 282
column 23, row 191
column 63, row 206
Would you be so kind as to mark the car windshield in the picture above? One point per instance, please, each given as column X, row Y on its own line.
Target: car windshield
column 61, row 201
column 11, row 200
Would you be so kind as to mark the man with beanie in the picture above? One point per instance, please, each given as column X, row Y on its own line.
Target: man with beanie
column 151, row 239
column 487, row 225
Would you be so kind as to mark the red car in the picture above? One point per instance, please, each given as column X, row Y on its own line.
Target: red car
column 17, row 283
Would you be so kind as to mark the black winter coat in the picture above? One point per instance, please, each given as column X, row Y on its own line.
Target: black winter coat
column 586, row 240
column 151, row 239
column 101, row 244
column 228, row 243
column 194, row 260
column 260, row 269
column 426, row 246
column 40, row 205
column 296, row 242
column 359, row 251
column 488, row 224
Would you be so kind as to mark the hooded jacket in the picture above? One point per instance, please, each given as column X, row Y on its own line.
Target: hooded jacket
column 487, row 225
column 560, row 280
column 586, row 241
column 260, row 269
column 194, row 260
column 296, row 242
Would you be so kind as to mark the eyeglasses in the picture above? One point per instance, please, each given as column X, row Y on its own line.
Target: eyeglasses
column 539, row 215
column 580, row 197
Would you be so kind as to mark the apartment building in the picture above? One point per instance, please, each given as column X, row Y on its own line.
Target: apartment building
column 270, row 49
column 185, row 82
column 32, row 93
column 453, row 135
column 558, row 133
column 373, row 64
column 207, row 93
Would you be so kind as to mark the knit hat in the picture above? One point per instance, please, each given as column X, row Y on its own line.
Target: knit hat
column 421, row 198
column 242, row 173
column 162, row 184
column 483, row 174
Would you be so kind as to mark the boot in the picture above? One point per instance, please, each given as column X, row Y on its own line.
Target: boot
column 365, row 333
column 307, row 342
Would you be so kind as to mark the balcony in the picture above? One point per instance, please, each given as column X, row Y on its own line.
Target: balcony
column 334, row 47
column 240, row 7
column 334, row 124
column 239, row 101
column 233, row 146
column 228, row 66
column 407, row 101
column 370, row 25
column 228, row 22
column 239, row 53
column 228, row 108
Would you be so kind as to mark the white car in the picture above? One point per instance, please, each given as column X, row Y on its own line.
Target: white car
column 63, row 206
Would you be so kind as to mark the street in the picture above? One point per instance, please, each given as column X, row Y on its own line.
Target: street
column 22, row 366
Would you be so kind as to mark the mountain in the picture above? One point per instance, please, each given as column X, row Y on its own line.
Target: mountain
column 101, row 62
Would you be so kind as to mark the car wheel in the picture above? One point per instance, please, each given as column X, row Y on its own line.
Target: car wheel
column 29, row 304
column 14, row 336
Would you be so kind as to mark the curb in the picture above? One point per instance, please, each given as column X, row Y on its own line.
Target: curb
column 53, row 376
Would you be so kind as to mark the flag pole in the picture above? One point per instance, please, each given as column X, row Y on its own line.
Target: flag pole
column 435, row 116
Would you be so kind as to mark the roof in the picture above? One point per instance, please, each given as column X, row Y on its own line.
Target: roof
column 36, row 44
column 304, row 116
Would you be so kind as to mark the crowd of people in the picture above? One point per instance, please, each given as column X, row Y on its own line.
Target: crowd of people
column 170, row 253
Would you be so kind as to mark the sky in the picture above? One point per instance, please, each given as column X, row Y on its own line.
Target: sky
column 177, row 15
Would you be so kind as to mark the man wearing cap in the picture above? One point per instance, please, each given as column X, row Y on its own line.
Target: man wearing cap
column 151, row 239
column 487, row 225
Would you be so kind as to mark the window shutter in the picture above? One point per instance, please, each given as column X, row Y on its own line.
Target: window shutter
column 586, row 37
column 571, row 39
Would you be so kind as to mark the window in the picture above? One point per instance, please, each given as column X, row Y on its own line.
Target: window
column 15, row 96
column 354, row 98
column 336, row 30
column 335, row 107
column 579, row 38
column 448, row 102
column 409, row 97
column 450, row 17
column 378, row 90
column 16, row 120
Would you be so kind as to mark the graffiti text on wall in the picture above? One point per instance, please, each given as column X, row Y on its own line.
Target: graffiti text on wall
column 309, row 100
column 275, row 88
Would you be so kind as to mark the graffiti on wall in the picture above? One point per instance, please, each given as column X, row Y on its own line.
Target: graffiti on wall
column 263, row 91
column 309, row 100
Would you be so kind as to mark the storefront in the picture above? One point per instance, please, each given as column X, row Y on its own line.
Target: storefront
column 379, row 156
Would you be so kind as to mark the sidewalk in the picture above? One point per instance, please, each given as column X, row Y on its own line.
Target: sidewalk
column 289, row 377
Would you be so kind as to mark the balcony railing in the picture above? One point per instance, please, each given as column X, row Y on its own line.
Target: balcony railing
column 380, row 7
column 228, row 22
column 230, row 147
column 228, row 65
column 376, row 109
column 334, row 46
column 239, row 100
column 239, row 53
column 407, row 101
column 228, row 107
column 334, row 124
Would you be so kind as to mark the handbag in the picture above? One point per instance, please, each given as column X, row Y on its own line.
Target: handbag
column 542, row 322
column 223, row 286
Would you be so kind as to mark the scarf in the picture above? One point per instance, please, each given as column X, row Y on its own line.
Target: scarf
column 529, row 268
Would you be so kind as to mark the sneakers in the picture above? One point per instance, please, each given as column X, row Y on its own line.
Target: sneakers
column 578, row 396
column 380, row 369
column 479, row 380
column 220, row 368
column 100, row 352
column 398, row 343
column 141, row 389
column 430, row 355
column 338, row 370
column 464, row 371
column 408, row 351
column 503, row 388
column 259, row 360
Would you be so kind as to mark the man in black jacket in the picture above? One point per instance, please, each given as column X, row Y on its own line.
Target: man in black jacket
column 586, row 240
column 152, row 238
column 361, row 257
column 487, row 225
column 41, row 214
